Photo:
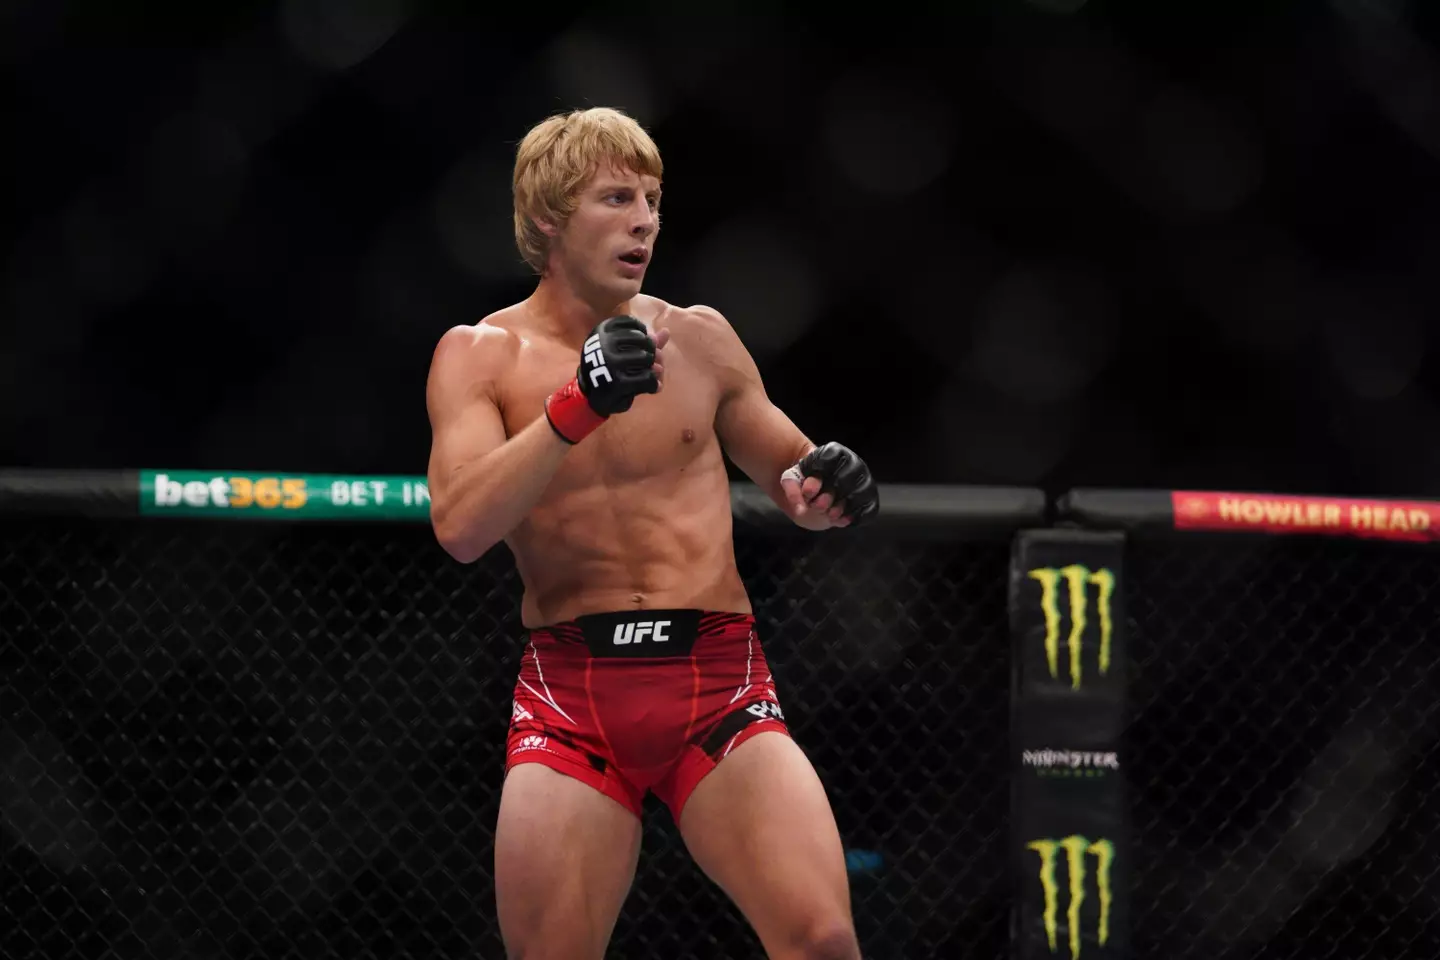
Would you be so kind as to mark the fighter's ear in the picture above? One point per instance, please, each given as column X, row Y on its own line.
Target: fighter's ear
column 546, row 227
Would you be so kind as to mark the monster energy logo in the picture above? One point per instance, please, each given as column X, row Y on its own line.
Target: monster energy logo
column 1070, row 763
column 1076, row 579
column 1076, row 849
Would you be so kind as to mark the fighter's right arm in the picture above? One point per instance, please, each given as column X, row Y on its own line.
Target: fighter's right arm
column 481, row 485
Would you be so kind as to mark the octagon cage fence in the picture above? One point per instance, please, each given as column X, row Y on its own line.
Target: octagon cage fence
column 262, row 716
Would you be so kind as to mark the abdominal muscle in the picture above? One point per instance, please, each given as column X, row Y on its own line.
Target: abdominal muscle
column 618, row 545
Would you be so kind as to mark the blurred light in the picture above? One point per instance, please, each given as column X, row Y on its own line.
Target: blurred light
column 47, row 321
column 9, row 387
column 1389, row 10
column 1344, row 802
column 407, row 281
column 1397, row 66
column 1198, row 154
column 1113, row 441
column 1387, row 438
column 1375, row 341
column 1170, row 151
column 755, row 274
column 473, row 217
column 1251, row 280
column 1270, row 299
column 107, row 253
column 46, row 317
column 981, row 440
column 888, row 131
column 591, row 70
column 1082, row 85
column 251, row 90
column 338, row 34
column 323, row 374
column 1043, row 333
column 688, row 68
column 195, row 168
column 942, row 287
column 1058, row 6
column 28, row 27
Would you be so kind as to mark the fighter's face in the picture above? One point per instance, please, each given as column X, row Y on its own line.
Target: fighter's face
column 607, row 242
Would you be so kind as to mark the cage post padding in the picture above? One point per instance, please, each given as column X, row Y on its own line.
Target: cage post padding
column 1069, row 845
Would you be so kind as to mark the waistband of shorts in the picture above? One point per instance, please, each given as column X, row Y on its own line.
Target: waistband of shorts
column 644, row 633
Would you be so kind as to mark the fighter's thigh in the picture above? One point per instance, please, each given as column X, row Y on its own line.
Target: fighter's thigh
column 761, row 827
column 565, row 857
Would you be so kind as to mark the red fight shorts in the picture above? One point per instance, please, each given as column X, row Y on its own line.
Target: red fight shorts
column 644, row 701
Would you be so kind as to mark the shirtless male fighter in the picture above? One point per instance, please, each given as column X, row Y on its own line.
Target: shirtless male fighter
column 643, row 671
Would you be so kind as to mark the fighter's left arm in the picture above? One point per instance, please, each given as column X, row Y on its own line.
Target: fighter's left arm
column 816, row 486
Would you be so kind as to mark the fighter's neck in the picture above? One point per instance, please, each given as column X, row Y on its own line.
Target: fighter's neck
column 569, row 314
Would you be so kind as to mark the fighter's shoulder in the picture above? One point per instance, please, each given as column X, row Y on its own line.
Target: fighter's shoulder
column 481, row 350
column 699, row 325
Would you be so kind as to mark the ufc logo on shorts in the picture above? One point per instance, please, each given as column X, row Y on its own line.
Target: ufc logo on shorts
column 596, row 359
column 765, row 710
column 636, row 632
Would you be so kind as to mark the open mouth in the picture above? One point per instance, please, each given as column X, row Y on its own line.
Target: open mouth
column 635, row 257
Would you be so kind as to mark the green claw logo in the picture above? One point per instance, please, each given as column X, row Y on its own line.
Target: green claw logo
column 1077, row 580
column 1076, row 849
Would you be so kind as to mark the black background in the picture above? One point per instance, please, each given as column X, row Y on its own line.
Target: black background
column 1046, row 243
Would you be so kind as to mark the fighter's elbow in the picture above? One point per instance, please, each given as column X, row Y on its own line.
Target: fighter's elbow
column 462, row 551
column 464, row 546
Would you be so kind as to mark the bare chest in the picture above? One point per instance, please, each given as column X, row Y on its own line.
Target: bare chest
column 660, row 434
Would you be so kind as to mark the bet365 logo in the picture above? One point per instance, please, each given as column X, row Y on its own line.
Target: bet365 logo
column 1077, row 581
column 1077, row 853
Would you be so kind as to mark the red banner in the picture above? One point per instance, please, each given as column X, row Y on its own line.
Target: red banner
column 1323, row 516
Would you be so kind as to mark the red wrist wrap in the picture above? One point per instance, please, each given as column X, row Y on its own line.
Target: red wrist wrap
column 570, row 414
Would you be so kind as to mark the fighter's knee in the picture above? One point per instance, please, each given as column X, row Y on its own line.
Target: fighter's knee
column 830, row 940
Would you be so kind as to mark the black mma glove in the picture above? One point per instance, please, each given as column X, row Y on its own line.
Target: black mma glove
column 615, row 366
column 844, row 476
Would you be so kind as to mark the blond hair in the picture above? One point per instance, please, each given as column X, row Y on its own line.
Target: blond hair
column 558, row 156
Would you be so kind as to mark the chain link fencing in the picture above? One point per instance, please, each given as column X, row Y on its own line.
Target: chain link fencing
column 233, row 740
column 1283, row 772
column 224, row 740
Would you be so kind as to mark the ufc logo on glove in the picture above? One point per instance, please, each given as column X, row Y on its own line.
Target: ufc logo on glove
column 596, row 359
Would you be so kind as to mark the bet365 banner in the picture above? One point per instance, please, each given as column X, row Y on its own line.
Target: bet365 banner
column 1070, row 848
column 295, row 496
